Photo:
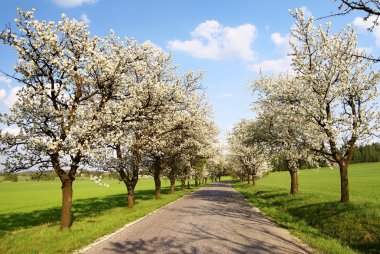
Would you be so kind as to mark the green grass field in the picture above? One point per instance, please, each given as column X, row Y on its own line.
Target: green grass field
column 30, row 213
column 316, row 216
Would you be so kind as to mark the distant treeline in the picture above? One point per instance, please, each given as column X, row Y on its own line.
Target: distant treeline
column 362, row 153
column 367, row 153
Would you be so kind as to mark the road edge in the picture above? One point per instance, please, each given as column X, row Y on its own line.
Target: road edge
column 298, row 240
column 108, row 236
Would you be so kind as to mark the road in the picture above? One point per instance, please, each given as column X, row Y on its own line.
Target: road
column 214, row 219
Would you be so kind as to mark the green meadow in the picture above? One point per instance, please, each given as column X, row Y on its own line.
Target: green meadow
column 30, row 213
column 315, row 215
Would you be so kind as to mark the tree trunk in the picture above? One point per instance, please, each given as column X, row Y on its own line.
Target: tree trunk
column 183, row 182
column 220, row 177
column 172, row 183
column 344, row 190
column 156, row 175
column 130, row 183
column 248, row 179
column 196, row 181
column 294, row 182
column 67, row 198
column 67, row 187
column 206, row 180
column 131, row 199
column 253, row 180
column 188, row 184
column 157, row 183
column 131, row 194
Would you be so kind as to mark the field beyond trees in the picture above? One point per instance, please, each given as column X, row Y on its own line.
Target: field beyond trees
column 316, row 215
column 30, row 213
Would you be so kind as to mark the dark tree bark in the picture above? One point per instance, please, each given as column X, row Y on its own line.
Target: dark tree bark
column 294, row 182
column 196, row 181
column 188, row 184
column 293, row 177
column 156, row 176
column 131, row 194
column 130, row 182
column 183, row 182
column 254, row 180
column 344, row 188
column 67, row 187
column 172, row 183
column 248, row 179
column 157, row 183
column 67, row 199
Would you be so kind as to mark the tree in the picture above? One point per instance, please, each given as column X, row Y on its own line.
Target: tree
column 335, row 88
column 281, row 126
column 370, row 7
column 187, row 124
column 147, row 95
column 252, row 158
column 68, row 78
column 217, row 166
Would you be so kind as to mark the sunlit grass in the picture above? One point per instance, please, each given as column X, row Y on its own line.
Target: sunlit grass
column 30, row 213
column 316, row 215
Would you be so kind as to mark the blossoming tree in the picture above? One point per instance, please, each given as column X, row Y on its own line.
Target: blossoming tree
column 281, row 126
column 252, row 158
column 338, row 90
column 68, row 78
column 333, row 89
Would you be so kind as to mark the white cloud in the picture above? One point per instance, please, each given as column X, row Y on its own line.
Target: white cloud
column 275, row 65
column 85, row 18
column 212, row 40
column 73, row 3
column 5, row 80
column 279, row 40
column 12, row 97
column 272, row 66
column 363, row 25
column 2, row 93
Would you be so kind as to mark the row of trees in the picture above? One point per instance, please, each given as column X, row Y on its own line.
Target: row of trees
column 319, row 111
column 248, row 161
column 102, row 103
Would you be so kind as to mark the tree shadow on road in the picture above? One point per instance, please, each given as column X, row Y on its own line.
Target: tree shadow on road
column 198, row 240
column 216, row 235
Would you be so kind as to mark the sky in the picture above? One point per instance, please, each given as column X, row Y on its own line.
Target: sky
column 230, row 41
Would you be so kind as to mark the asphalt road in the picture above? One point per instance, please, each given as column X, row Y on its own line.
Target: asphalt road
column 214, row 219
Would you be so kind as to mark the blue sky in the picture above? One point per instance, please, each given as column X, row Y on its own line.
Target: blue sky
column 229, row 40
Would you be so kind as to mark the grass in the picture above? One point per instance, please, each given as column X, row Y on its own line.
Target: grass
column 30, row 213
column 316, row 216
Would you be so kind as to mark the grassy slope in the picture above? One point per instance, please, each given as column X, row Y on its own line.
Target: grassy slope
column 30, row 213
column 316, row 216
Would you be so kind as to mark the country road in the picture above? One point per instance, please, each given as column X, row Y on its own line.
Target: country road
column 214, row 219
